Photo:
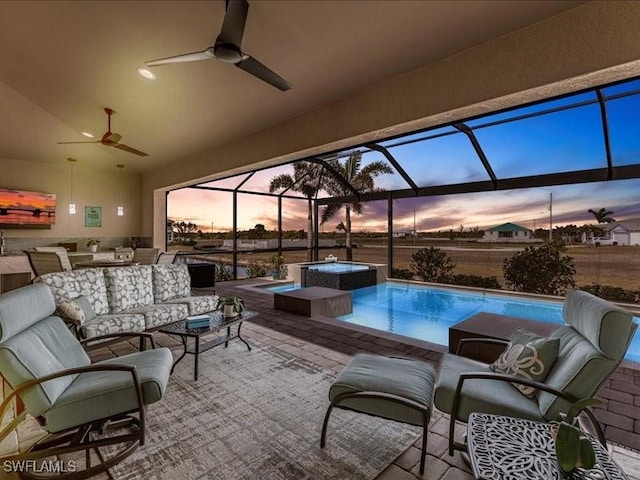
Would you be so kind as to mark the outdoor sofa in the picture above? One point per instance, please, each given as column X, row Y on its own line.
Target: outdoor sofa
column 100, row 301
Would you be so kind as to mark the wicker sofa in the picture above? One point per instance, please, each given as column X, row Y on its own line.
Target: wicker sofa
column 125, row 299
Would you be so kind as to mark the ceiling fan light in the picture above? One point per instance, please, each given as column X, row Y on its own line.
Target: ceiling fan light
column 146, row 73
column 87, row 134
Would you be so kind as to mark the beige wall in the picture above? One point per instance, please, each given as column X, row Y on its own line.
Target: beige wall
column 595, row 43
column 91, row 187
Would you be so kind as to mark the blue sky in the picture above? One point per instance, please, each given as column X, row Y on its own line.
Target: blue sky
column 561, row 141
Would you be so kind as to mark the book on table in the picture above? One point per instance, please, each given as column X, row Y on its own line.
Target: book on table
column 198, row 321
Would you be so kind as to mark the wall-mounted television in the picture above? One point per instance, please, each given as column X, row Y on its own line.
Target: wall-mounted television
column 24, row 209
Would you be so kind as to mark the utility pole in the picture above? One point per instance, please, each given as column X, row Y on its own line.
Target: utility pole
column 550, row 216
column 414, row 227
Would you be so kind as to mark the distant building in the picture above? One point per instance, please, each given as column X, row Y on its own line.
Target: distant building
column 508, row 232
column 626, row 232
column 404, row 233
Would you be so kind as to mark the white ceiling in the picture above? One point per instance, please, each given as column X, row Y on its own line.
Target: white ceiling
column 62, row 62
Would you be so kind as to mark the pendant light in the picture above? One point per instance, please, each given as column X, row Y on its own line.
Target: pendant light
column 120, row 208
column 72, row 206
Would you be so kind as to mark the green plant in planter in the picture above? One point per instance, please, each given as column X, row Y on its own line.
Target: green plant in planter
column 278, row 268
column 237, row 304
column 92, row 242
column 573, row 447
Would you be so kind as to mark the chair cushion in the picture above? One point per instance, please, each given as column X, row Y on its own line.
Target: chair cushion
column 580, row 370
column 171, row 281
column 97, row 395
column 45, row 348
column 198, row 304
column 88, row 282
column 23, row 307
column 128, row 287
column 484, row 396
column 78, row 310
column 403, row 377
column 604, row 324
column 528, row 356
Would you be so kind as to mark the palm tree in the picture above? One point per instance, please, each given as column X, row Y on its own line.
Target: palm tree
column 603, row 215
column 362, row 180
column 306, row 180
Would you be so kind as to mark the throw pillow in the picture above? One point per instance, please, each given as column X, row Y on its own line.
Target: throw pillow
column 527, row 356
column 78, row 310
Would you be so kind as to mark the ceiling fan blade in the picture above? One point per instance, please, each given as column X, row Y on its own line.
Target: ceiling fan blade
column 187, row 57
column 129, row 149
column 110, row 138
column 234, row 21
column 72, row 143
column 254, row 67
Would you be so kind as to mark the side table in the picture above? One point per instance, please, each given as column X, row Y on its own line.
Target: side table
column 512, row 448
column 217, row 323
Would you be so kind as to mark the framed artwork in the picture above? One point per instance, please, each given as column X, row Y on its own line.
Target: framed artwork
column 92, row 216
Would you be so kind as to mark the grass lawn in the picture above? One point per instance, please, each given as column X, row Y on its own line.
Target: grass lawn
column 617, row 266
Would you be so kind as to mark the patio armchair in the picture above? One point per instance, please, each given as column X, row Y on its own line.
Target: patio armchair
column 166, row 257
column 81, row 406
column 44, row 262
column 62, row 254
column 146, row 256
column 591, row 346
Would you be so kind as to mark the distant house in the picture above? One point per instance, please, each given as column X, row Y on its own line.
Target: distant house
column 404, row 233
column 626, row 232
column 508, row 232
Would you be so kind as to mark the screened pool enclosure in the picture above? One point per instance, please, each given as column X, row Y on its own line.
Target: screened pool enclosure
column 583, row 137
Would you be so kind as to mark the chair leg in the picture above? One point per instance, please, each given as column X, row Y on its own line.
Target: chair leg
column 425, row 433
column 323, row 436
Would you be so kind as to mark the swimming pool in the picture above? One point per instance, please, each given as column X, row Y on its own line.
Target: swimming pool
column 426, row 313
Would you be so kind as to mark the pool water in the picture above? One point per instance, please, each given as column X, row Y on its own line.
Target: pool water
column 338, row 267
column 286, row 287
column 426, row 313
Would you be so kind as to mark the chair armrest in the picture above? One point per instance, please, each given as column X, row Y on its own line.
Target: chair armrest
column 463, row 342
column 501, row 377
column 141, row 335
column 63, row 373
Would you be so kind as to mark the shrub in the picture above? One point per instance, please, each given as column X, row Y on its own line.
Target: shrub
column 224, row 272
column 402, row 273
column 432, row 265
column 540, row 269
column 256, row 268
column 476, row 281
column 615, row 294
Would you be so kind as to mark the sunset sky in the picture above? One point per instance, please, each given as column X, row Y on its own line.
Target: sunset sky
column 559, row 141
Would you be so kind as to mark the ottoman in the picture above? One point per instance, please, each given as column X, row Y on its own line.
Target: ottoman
column 397, row 389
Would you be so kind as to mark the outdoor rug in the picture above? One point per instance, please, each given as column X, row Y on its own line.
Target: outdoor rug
column 258, row 415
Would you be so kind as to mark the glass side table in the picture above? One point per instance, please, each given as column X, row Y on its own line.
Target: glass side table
column 505, row 448
column 217, row 323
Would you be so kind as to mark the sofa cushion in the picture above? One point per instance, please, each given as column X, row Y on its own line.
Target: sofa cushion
column 171, row 281
column 162, row 314
column 198, row 304
column 78, row 310
column 115, row 323
column 88, row 282
column 128, row 287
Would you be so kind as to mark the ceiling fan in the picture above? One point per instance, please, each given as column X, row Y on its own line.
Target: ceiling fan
column 227, row 48
column 111, row 139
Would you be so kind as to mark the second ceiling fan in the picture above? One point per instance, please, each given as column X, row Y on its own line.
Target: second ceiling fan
column 227, row 48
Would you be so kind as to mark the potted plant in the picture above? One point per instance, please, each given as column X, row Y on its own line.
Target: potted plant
column 573, row 447
column 231, row 306
column 92, row 244
column 279, row 269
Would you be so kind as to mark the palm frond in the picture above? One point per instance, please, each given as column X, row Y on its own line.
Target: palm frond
column 280, row 182
column 329, row 212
